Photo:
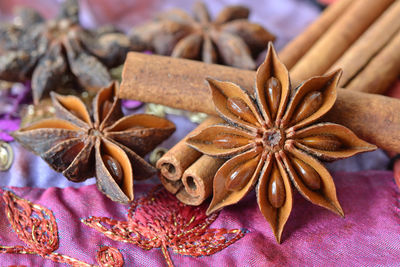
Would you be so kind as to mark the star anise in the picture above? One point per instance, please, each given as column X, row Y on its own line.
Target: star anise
column 273, row 140
column 105, row 145
column 48, row 52
column 230, row 39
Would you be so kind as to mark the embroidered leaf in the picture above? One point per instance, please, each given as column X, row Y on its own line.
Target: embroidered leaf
column 34, row 224
column 113, row 229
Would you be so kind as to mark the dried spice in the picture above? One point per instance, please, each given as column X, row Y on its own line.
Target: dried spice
column 105, row 145
column 58, row 50
column 272, row 139
column 229, row 39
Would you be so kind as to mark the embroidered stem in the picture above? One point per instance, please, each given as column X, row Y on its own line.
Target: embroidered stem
column 54, row 256
column 166, row 255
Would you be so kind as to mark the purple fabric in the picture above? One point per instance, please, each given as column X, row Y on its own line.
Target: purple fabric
column 11, row 100
column 7, row 126
column 369, row 235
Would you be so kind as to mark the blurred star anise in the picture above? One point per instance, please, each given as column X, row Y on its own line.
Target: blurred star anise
column 47, row 52
column 105, row 145
column 230, row 39
column 272, row 140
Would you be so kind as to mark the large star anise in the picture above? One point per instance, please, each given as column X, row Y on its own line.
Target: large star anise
column 273, row 141
column 47, row 52
column 230, row 39
column 106, row 144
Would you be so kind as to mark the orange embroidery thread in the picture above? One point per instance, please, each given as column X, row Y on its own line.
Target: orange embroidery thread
column 109, row 256
column 159, row 220
column 36, row 226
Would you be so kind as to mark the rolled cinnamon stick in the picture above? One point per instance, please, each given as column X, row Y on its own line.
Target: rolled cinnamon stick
column 381, row 72
column 173, row 163
column 369, row 44
column 339, row 37
column 293, row 51
column 375, row 118
column 181, row 84
column 198, row 180
column 172, row 186
column 183, row 161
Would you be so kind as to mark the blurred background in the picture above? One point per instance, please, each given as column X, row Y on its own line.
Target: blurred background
column 284, row 18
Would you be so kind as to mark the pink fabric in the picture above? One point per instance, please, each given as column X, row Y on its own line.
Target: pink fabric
column 369, row 235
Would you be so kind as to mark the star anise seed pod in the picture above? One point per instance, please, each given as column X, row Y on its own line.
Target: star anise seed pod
column 105, row 145
column 272, row 139
column 230, row 39
column 48, row 51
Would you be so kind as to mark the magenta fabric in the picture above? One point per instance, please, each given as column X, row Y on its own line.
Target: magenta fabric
column 367, row 236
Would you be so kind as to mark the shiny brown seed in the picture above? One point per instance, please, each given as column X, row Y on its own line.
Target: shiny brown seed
column 322, row 142
column 241, row 174
column 307, row 174
column 114, row 168
column 309, row 105
column 225, row 140
column 276, row 189
column 238, row 107
column 273, row 95
column 72, row 152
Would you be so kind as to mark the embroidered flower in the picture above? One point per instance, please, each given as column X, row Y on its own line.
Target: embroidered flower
column 159, row 220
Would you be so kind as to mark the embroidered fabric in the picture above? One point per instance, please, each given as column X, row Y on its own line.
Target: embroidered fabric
column 313, row 236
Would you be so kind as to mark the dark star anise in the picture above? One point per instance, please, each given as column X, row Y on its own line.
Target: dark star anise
column 47, row 52
column 273, row 141
column 230, row 39
column 105, row 145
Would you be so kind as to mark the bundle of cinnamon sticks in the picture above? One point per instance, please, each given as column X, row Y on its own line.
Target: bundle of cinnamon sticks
column 361, row 37
column 186, row 172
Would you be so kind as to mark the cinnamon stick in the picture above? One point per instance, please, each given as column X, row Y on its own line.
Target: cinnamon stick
column 172, row 186
column 293, row 51
column 173, row 163
column 181, row 84
column 198, row 180
column 369, row 44
column 381, row 72
column 339, row 37
column 187, row 172
column 376, row 118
